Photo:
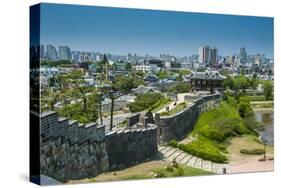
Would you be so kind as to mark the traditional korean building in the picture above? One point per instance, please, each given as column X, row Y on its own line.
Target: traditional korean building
column 145, row 89
column 206, row 81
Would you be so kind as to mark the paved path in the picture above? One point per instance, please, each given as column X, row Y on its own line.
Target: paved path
column 254, row 166
column 170, row 153
column 119, row 118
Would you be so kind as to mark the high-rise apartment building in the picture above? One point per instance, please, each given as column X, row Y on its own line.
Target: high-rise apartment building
column 64, row 53
column 51, row 52
column 214, row 55
column 205, row 54
column 42, row 51
column 243, row 55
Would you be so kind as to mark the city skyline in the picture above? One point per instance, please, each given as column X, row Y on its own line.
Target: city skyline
column 123, row 31
column 56, row 47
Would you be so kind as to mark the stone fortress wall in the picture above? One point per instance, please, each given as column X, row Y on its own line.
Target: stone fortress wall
column 70, row 150
column 67, row 147
column 131, row 146
column 178, row 125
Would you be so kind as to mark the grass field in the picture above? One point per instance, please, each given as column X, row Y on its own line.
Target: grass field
column 161, row 105
column 262, row 104
column 212, row 131
column 180, row 170
column 177, row 109
column 146, row 170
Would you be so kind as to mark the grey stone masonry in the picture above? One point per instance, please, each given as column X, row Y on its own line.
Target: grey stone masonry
column 180, row 124
column 132, row 120
column 69, row 150
column 169, row 154
column 129, row 147
column 52, row 126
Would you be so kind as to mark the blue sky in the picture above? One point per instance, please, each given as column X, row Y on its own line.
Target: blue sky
column 122, row 31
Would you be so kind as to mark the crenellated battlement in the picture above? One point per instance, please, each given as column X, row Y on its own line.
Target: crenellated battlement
column 52, row 126
column 178, row 125
column 67, row 147
column 70, row 150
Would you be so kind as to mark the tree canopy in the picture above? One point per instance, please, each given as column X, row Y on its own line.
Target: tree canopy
column 267, row 89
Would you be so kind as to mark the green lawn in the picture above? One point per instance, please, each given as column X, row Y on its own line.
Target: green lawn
column 212, row 131
column 180, row 170
column 138, row 177
column 161, row 104
column 175, row 110
column 262, row 104
column 256, row 97
column 170, row 171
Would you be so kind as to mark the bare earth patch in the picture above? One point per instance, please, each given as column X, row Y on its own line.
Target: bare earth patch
column 139, row 171
column 248, row 163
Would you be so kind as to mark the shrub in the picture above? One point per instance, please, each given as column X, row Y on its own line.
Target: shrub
column 244, row 108
column 179, row 171
column 257, row 140
column 204, row 150
column 262, row 159
column 252, row 151
column 164, row 113
column 256, row 98
column 173, row 143
column 270, row 158
column 145, row 101
column 175, row 163
column 267, row 89
column 218, row 124
column 170, row 169
column 181, row 87
column 159, row 104
column 160, row 175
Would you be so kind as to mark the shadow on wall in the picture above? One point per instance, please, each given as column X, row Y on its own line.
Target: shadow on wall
column 182, row 123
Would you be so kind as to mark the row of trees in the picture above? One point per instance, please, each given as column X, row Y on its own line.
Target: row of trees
column 162, row 74
column 82, row 102
column 242, row 83
column 145, row 101
column 55, row 63
column 267, row 89
column 243, row 106
column 76, row 100
column 181, row 87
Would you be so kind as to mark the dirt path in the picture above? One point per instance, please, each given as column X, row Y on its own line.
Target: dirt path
column 255, row 166
column 134, row 172
column 248, row 163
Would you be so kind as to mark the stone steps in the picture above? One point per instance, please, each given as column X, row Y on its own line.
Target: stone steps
column 180, row 157
column 186, row 159
column 191, row 161
column 170, row 153
column 165, row 150
column 174, row 155
column 198, row 163
column 207, row 165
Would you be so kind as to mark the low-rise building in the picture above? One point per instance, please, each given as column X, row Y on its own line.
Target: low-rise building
column 145, row 89
column 146, row 68
column 208, row 80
